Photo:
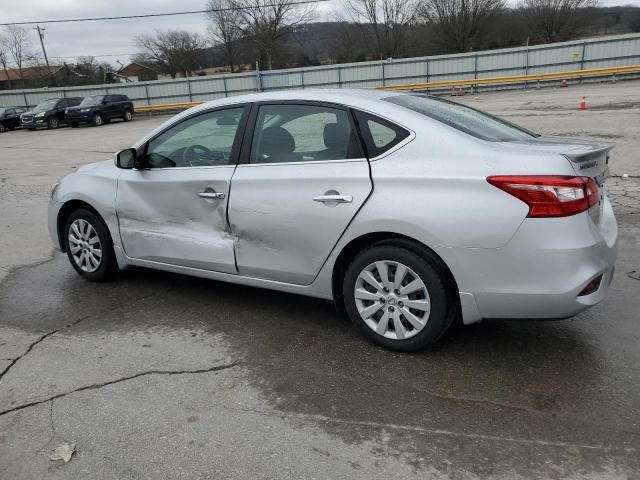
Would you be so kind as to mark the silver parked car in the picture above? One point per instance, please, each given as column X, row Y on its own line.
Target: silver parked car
column 408, row 210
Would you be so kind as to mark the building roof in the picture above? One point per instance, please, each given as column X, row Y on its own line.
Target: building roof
column 28, row 73
column 136, row 64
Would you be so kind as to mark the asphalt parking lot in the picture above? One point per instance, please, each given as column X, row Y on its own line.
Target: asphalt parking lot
column 157, row 375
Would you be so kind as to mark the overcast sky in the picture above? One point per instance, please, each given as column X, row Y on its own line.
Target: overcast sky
column 116, row 37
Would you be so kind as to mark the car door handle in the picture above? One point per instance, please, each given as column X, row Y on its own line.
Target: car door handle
column 211, row 195
column 333, row 198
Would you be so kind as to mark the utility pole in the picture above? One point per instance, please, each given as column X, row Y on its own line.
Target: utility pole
column 41, row 37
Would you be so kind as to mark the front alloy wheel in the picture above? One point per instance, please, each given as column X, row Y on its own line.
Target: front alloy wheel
column 89, row 246
column 53, row 123
column 399, row 296
column 85, row 246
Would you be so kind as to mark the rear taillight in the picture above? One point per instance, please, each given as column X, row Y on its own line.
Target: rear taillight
column 550, row 195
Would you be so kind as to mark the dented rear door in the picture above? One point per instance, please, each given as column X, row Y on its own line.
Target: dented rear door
column 298, row 190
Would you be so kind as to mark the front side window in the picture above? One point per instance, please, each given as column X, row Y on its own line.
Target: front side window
column 303, row 133
column 201, row 141
column 463, row 118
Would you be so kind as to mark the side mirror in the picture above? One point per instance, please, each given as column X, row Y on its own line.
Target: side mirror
column 126, row 158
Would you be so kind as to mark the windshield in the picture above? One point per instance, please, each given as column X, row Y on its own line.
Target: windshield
column 44, row 106
column 2, row 110
column 91, row 101
column 466, row 119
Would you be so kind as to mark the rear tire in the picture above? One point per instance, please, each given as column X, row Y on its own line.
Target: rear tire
column 97, row 120
column 406, row 315
column 89, row 246
column 128, row 115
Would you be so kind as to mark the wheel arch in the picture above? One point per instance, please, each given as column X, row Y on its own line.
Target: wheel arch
column 66, row 210
column 368, row 240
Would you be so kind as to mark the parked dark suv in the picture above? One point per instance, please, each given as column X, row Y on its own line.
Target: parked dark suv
column 99, row 109
column 10, row 117
column 49, row 113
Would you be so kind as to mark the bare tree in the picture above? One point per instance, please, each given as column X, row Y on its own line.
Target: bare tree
column 18, row 46
column 459, row 25
column 555, row 20
column 224, row 29
column 387, row 19
column 4, row 59
column 267, row 22
column 173, row 51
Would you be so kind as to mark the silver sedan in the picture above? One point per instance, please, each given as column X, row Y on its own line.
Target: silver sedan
column 408, row 210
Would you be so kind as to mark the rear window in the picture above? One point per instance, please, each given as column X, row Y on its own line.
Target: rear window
column 463, row 118
column 378, row 134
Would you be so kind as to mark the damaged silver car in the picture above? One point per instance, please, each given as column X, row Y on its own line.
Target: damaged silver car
column 411, row 211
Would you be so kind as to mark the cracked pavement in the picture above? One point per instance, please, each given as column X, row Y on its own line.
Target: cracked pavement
column 156, row 375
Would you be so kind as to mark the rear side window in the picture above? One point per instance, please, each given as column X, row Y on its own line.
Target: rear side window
column 303, row 133
column 463, row 118
column 378, row 134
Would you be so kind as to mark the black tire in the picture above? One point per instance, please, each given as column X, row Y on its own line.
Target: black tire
column 128, row 115
column 2, row 128
column 442, row 298
column 53, row 123
column 97, row 120
column 108, row 265
column 74, row 125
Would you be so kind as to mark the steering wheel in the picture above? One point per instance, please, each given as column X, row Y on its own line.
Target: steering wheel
column 196, row 155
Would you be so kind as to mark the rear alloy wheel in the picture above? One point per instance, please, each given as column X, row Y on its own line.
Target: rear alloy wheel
column 89, row 246
column 97, row 120
column 397, row 298
column 127, row 115
column 53, row 123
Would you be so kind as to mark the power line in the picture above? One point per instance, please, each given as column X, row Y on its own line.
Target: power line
column 166, row 14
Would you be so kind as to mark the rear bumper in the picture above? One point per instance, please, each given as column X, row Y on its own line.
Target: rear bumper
column 541, row 272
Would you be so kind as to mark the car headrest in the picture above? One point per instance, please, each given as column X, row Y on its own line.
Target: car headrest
column 276, row 140
column 335, row 136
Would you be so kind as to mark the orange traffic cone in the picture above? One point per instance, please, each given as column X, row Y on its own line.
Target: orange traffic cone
column 583, row 103
column 563, row 83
